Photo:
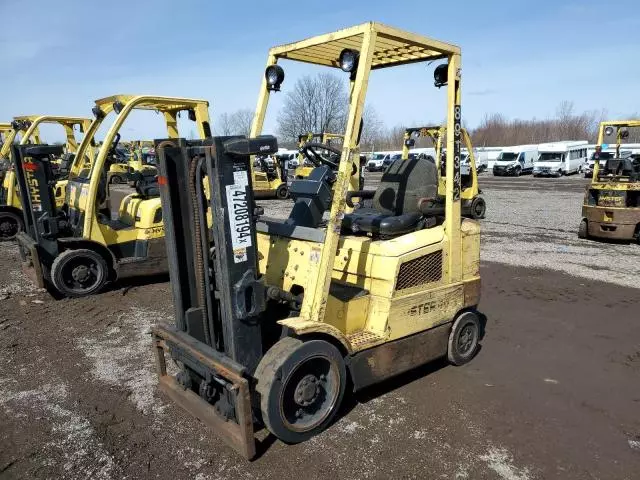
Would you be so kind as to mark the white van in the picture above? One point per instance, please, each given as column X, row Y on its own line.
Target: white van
column 516, row 160
column 376, row 162
column 560, row 158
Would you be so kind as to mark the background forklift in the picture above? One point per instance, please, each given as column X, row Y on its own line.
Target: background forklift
column 80, row 246
column 473, row 204
column 28, row 127
column 8, row 135
column 132, row 160
column 271, row 180
column 274, row 317
column 611, row 208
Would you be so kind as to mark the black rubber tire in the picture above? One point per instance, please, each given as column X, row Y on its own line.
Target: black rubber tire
column 464, row 338
column 117, row 179
column 478, row 208
column 276, row 377
column 10, row 225
column 517, row 172
column 60, row 272
column 583, row 229
column 282, row 192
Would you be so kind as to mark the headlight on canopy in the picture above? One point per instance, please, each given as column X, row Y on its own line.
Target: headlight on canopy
column 348, row 60
column 274, row 75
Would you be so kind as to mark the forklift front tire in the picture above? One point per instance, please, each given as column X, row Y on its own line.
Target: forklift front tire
column 10, row 225
column 464, row 338
column 79, row 272
column 117, row 179
column 282, row 191
column 301, row 385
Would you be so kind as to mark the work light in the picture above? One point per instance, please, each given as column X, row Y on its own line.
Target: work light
column 441, row 75
column 608, row 131
column 97, row 112
column 274, row 75
column 117, row 107
column 348, row 60
column 16, row 124
column 409, row 142
column 624, row 132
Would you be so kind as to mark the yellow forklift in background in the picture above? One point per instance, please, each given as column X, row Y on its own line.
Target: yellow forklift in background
column 274, row 318
column 7, row 137
column 473, row 204
column 11, row 215
column 131, row 159
column 611, row 208
column 270, row 180
column 90, row 240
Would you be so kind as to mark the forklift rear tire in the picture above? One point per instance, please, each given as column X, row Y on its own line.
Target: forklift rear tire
column 117, row 179
column 282, row 192
column 301, row 385
column 10, row 225
column 78, row 273
column 478, row 208
column 583, row 229
column 464, row 338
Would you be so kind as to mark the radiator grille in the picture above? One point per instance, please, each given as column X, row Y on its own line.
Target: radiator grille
column 421, row 270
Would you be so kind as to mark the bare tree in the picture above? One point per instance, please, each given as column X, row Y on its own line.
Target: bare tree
column 223, row 126
column 372, row 129
column 316, row 104
column 236, row 123
column 241, row 122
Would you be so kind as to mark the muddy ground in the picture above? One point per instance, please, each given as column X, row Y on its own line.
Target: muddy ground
column 554, row 392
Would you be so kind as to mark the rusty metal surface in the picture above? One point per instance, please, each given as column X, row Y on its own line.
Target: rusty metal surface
column 240, row 435
column 31, row 266
column 384, row 361
column 472, row 290
column 611, row 223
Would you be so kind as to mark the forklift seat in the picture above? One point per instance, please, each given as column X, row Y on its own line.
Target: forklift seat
column 398, row 203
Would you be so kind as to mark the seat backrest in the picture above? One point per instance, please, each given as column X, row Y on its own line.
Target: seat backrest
column 403, row 184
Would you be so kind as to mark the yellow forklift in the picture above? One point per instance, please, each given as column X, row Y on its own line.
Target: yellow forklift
column 91, row 239
column 611, row 208
column 270, row 181
column 28, row 127
column 274, row 318
column 473, row 204
column 131, row 159
column 7, row 136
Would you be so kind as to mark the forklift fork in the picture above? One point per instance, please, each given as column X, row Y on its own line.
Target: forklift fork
column 238, row 434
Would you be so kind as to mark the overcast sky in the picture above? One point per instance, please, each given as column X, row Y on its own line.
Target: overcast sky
column 520, row 58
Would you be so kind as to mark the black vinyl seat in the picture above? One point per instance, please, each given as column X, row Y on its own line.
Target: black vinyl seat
column 405, row 201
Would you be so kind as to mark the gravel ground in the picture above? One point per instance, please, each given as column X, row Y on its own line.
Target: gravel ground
column 533, row 222
column 554, row 392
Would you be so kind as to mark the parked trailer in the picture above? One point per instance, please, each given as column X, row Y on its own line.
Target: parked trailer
column 516, row 160
column 560, row 158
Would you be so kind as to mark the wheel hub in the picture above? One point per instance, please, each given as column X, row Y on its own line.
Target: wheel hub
column 466, row 339
column 80, row 273
column 5, row 226
column 307, row 390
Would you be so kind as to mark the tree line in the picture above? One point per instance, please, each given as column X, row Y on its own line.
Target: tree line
column 320, row 104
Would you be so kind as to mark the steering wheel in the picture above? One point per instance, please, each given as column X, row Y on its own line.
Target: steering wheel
column 310, row 151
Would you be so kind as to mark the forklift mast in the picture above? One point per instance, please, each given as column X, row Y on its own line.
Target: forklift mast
column 218, row 294
column 36, row 182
